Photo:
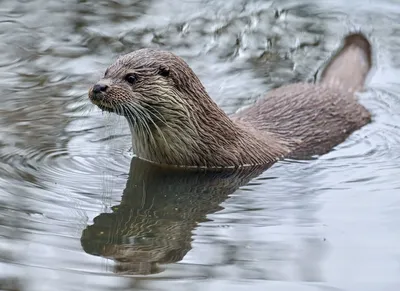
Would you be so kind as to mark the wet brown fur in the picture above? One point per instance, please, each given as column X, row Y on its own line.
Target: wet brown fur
column 174, row 121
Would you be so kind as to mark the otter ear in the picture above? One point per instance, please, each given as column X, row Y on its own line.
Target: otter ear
column 163, row 70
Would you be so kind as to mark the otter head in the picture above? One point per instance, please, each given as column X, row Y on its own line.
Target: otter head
column 141, row 81
column 172, row 119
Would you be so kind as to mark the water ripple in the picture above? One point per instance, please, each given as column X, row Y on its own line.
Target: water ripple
column 63, row 163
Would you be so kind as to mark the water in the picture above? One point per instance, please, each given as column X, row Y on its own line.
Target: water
column 74, row 214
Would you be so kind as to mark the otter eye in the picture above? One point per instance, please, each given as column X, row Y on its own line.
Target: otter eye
column 131, row 78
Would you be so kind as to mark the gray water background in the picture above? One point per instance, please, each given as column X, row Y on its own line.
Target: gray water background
column 325, row 224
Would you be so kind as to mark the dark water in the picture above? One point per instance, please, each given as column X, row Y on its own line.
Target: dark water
column 77, row 213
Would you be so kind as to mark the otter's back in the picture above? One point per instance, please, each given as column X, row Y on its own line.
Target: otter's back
column 313, row 118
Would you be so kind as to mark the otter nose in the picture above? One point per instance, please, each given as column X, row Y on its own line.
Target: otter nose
column 99, row 88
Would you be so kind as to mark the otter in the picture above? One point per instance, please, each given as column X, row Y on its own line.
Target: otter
column 174, row 122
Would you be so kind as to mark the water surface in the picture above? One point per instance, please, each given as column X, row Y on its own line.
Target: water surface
column 78, row 212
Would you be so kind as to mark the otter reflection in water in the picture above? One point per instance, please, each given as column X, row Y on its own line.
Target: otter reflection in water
column 159, row 209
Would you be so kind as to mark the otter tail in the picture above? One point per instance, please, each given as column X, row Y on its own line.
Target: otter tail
column 348, row 68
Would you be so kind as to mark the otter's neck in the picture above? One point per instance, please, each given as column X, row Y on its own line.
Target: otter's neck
column 200, row 134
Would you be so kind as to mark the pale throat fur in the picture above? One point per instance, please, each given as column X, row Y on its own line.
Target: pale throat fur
column 189, row 129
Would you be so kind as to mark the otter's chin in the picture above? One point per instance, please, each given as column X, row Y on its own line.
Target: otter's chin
column 109, row 108
column 99, row 101
column 106, row 108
